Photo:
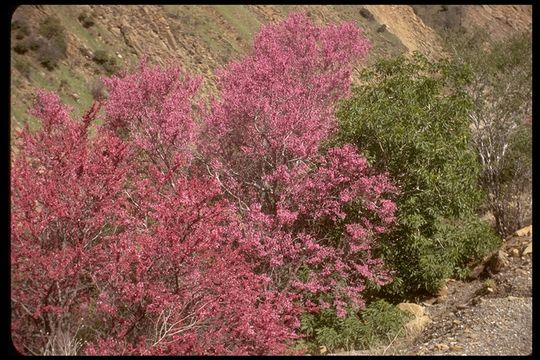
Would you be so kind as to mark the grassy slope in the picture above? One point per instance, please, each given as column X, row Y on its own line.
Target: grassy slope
column 207, row 37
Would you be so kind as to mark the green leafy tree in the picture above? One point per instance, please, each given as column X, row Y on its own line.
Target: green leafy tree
column 410, row 118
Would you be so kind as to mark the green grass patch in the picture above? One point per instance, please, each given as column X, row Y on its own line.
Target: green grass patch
column 244, row 22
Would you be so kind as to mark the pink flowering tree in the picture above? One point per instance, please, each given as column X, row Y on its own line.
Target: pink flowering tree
column 312, row 215
column 118, row 248
column 185, row 229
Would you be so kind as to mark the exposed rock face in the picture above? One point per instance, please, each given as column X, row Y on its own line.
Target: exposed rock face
column 409, row 28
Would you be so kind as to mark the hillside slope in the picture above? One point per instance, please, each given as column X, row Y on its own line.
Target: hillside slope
column 202, row 38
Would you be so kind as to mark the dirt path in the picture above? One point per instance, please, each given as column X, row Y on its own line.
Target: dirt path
column 491, row 315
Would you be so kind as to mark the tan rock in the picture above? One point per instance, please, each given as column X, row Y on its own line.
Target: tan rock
column 417, row 325
column 443, row 292
column 527, row 250
column 429, row 301
column 420, row 321
column 456, row 348
column 514, row 252
column 415, row 309
column 323, row 349
column 527, row 230
column 442, row 347
column 498, row 261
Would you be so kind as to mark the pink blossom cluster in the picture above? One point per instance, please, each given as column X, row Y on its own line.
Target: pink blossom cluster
column 181, row 228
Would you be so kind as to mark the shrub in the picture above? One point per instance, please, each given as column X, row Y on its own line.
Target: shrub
column 36, row 42
column 21, row 47
column 410, row 117
column 98, row 90
column 54, row 46
column 107, row 61
column 22, row 33
column 51, row 28
column 366, row 14
column 376, row 325
column 21, row 28
column 49, row 54
column 86, row 19
column 23, row 66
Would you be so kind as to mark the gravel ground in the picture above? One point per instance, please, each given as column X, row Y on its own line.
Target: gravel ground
column 491, row 315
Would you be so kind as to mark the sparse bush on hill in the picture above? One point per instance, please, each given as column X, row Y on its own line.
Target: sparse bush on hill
column 21, row 47
column 107, row 61
column 49, row 54
column 35, row 42
column 21, row 28
column 23, row 66
column 51, row 28
column 410, row 118
column 86, row 19
column 501, row 114
column 98, row 90
column 52, row 47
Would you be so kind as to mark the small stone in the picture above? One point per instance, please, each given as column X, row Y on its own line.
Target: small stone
column 440, row 300
column 430, row 301
column 489, row 290
column 442, row 291
column 415, row 309
column 528, row 250
column 442, row 347
column 462, row 306
column 456, row 348
column 514, row 252
column 467, row 331
column 527, row 230
column 457, row 322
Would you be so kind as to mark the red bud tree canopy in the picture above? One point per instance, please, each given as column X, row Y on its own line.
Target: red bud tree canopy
column 191, row 228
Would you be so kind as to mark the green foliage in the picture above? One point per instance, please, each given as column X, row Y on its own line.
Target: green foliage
column 107, row 61
column 23, row 66
column 51, row 28
column 410, row 118
column 86, row 19
column 465, row 242
column 376, row 325
column 54, row 48
column 21, row 47
column 21, row 28
column 49, row 54
column 35, row 42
